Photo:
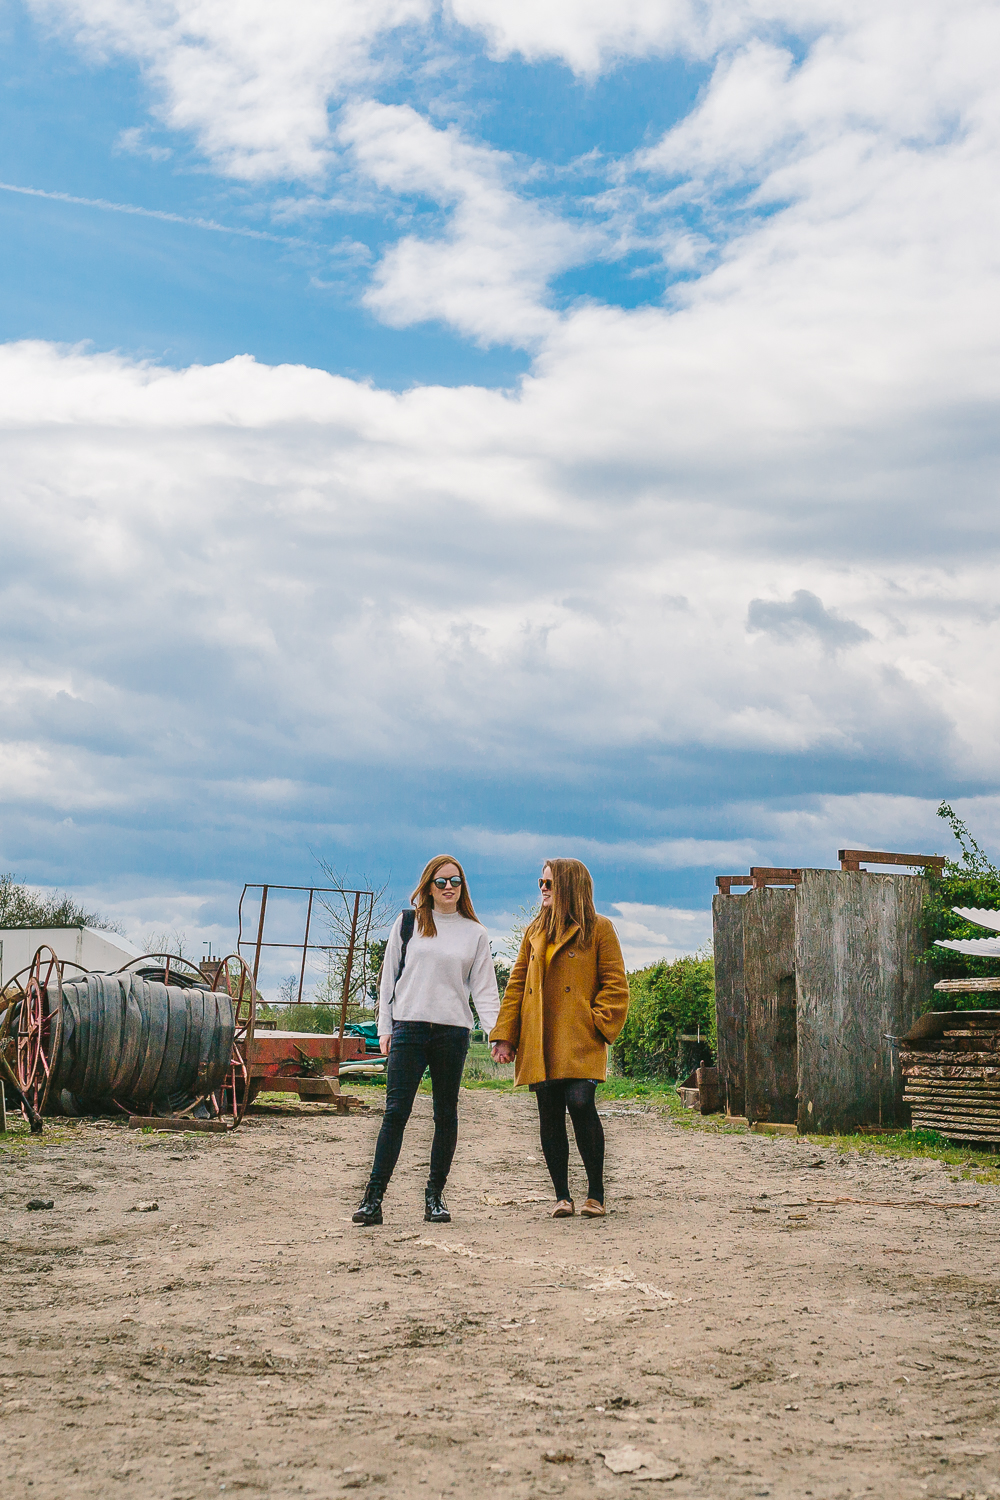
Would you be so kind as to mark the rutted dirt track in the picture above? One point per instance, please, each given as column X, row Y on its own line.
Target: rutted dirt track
column 246, row 1336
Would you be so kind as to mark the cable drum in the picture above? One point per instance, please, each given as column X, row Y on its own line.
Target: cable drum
column 159, row 1037
column 140, row 1042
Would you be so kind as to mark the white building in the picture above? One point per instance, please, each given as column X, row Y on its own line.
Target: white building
column 86, row 946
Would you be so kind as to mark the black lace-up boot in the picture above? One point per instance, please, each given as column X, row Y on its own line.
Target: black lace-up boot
column 370, row 1211
column 435, row 1208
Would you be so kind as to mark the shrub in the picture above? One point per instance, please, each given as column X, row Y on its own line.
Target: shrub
column 972, row 881
column 667, row 999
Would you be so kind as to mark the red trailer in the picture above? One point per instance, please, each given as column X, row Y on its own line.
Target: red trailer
column 303, row 1063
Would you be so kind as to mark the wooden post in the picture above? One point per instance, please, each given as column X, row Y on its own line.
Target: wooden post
column 730, row 999
column 3, row 1110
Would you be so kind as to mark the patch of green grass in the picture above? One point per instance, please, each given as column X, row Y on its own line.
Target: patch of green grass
column 968, row 1163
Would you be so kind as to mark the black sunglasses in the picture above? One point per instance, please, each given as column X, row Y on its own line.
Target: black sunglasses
column 544, row 885
column 453, row 880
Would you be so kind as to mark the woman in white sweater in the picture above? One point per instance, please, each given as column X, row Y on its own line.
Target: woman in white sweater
column 437, row 956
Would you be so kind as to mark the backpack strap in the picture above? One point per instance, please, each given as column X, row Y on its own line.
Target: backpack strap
column 405, row 932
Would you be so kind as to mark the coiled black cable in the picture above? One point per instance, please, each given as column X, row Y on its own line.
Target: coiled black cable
column 139, row 1042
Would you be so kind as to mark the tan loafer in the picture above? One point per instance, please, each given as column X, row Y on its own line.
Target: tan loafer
column 564, row 1209
column 592, row 1209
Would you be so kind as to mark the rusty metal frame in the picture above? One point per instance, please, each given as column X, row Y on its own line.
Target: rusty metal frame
column 359, row 913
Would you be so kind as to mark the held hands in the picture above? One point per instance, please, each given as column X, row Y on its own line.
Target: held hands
column 503, row 1052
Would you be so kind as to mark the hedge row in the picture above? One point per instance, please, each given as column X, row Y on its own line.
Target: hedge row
column 668, row 1000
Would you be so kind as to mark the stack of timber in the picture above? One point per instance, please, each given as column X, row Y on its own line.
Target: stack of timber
column 950, row 1061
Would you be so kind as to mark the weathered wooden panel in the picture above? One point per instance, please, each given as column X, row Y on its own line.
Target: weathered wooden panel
column 769, row 980
column 858, row 936
column 730, row 1000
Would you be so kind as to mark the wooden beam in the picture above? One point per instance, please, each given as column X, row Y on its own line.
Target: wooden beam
column 765, row 875
column 852, row 859
column 967, row 986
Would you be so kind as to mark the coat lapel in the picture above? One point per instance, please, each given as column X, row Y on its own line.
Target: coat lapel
column 540, row 943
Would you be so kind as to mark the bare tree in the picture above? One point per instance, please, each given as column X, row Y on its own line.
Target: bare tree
column 166, row 942
column 339, row 911
column 511, row 945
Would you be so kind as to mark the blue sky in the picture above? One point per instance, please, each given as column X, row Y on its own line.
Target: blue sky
column 520, row 430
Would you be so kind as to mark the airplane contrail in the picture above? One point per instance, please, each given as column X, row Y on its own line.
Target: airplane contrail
column 157, row 213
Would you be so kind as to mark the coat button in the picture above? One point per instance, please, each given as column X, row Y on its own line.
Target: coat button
column 567, row 989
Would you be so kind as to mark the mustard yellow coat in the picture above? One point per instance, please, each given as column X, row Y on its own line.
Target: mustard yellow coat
column 562, row 1016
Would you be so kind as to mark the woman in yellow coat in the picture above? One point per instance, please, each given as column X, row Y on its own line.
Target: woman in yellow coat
column 565, row 1003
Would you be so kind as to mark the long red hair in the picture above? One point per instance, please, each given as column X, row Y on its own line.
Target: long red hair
column 572, row 901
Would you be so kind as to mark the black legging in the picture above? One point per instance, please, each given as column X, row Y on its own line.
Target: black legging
column 577, row 1096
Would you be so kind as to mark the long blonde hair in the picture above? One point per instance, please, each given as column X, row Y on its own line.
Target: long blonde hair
column 424, row 901
column 572, row 901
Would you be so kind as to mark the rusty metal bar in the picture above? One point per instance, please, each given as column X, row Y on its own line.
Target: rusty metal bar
column 350, row 965
column 260, row 932
column 725, row 883
column 305, row 946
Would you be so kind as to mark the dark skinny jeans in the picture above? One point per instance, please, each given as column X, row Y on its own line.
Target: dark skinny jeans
column 417, row 1045
column 578, row 1096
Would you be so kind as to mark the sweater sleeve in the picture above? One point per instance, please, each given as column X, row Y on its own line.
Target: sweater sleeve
column 483, row 983
column 508, row 1026
column 610, row 1005
column 390, row 963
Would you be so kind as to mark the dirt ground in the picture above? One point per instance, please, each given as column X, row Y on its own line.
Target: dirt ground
column 722, row 1324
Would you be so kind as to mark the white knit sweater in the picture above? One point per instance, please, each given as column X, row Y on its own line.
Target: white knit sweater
column 440, row 974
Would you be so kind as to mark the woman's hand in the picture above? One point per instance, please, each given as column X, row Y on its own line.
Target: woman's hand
column 385, row 1042
column 503, row 1052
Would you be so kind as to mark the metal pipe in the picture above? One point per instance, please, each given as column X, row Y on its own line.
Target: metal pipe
column 260, row 932
column 347, row 975
column 305, row 946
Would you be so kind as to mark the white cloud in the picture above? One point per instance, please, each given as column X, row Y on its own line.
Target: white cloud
column 634, row 565
column 401, row 549
column 133, row 142
column 251, row 81
column 650, row 933
column 590, row 35
column 488, row 273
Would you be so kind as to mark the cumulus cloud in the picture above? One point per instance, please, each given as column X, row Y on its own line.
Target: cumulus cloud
column 649, row 933
column 250, row 81
column 488, row 274
column 803, row 614
column 274, row 598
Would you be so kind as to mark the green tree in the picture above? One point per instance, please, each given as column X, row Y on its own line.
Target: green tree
column 21, row 906
column 667, row 999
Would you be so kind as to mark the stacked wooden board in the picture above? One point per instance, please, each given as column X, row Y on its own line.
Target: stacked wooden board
column 950, row 1062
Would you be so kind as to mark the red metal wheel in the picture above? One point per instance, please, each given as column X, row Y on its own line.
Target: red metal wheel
column 235, row 979
column 39, row 1028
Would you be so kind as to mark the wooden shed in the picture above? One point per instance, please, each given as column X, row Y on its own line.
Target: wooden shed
column 814, row 969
